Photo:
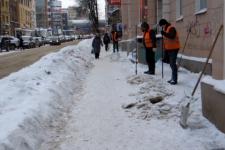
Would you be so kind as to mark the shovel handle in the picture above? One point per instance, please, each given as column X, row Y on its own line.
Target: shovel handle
column 185, row 43
column 210, row 53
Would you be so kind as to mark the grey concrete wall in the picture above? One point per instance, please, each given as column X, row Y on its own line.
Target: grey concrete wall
column 213, row 103
column 195, row 66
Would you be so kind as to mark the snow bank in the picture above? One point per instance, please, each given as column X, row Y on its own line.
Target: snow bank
column 219, row 85
column 36, row 96
column 198, row 59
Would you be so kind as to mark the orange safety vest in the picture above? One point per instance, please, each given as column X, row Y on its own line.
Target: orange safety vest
column 115, row 37
column 147, row 39
column 171, row 44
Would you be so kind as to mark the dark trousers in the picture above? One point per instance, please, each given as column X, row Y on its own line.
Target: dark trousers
column 106, row 47
column 96, row 55
column 150, row 59
column 115, row 46
column 173, row 58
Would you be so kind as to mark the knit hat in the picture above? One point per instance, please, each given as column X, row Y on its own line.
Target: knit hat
column 145, row 25
column 163, row 22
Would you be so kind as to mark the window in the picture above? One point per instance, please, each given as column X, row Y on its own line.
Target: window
column 200, row 6
column 179, row 11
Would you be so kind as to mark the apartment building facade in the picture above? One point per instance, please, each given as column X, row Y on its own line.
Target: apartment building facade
column 4, row 17
column 55, row 16
column 25, row 13
column 42, row 13
column 14, row 18
column 64, row 13
column 72, row 13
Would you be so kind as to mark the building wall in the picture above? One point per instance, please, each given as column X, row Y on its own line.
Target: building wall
column 14, row 18
column 124, row 16
column 25, row 13
column 72, row 13
column 203, row 27
column 130, row 10
column 4, row 16
column 42, row 13
column 152, row 13
column 55, row 17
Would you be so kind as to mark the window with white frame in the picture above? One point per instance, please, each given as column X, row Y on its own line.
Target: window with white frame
column 200, row 5
column 179, row 11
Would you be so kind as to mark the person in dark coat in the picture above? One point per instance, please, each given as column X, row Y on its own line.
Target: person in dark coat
column 21, row 43
column 149, row 41
column 106, row 41
column 96, row 45
column 171, row 46
column 115, row 41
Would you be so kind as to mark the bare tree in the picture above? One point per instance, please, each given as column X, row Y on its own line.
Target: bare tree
column 91, row 7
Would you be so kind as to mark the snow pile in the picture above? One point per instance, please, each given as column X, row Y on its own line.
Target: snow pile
column 164, row 114
column 34, row 98
column 219, row 85
column 152, row 98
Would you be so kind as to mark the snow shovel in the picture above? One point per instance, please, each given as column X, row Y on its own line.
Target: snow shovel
column 162, row 55
column 136, row 52
column 185, row 43
column 185, row 109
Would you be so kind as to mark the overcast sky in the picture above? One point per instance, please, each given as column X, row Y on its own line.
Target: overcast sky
column 101, row 4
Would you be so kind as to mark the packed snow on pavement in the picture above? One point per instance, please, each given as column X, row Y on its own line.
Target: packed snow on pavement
column 68, row 100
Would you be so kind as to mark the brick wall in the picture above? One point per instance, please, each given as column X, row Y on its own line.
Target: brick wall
column 203, row 31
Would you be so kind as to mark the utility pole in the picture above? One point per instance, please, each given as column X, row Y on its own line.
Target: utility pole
column 0, row 17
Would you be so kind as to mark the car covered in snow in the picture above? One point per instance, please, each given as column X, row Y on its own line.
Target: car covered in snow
column 13, row 42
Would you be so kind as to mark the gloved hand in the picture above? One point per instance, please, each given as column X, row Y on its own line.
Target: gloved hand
column 163, row 33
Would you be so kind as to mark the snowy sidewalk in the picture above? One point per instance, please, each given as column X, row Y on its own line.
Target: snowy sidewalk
column 99, row 120
column 100, row 123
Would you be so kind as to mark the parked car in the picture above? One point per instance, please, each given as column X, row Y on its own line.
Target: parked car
column 28, row 42
column 10, row 42
column 38, row 41
column 47, row 40
column 55, row 40
column 62, row 38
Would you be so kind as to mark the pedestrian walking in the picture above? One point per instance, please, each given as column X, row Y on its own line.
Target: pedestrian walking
column 5, row 42
column 106, row 41
column 96, row 45
column 171, row 46
column 149, row 41
column 21, row 43
column 115, row 41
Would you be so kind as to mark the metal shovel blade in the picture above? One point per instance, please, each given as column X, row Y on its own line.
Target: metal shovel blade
column 184, row 115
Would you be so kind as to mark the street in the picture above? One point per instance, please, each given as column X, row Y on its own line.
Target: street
column 13, row 62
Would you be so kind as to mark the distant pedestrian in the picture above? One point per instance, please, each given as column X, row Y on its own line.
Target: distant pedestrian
column 106, row 41
column 21, row 43
column 96, row 45
column 115, row 41
column 5, row 42
column 149, row 41
column 171, row 46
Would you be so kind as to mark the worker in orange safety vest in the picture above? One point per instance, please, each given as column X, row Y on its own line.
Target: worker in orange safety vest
column 171, row 45
column 149, row 41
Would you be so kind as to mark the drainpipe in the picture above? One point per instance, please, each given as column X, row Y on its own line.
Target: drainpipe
column 223, row 40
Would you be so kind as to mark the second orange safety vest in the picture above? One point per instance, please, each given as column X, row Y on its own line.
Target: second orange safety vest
column 147, row 39
column 171, row 44
column 115, row 37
